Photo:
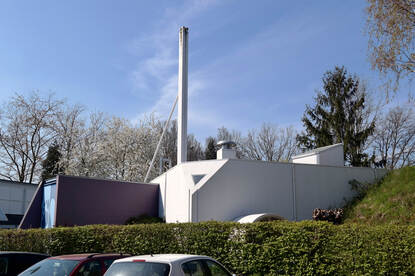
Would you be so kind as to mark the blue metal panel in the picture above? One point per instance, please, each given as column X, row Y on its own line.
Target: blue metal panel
column 48, row 204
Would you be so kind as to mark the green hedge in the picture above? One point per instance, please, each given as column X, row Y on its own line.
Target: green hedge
column 271, row 248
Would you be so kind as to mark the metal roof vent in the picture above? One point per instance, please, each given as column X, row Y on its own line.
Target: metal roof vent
column 226, row 150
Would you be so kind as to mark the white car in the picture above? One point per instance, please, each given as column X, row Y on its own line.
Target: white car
column 167, row 265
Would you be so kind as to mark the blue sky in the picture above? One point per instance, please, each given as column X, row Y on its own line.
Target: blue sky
column 249, row 61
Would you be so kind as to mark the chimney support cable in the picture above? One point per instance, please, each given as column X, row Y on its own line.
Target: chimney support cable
column 161, row 139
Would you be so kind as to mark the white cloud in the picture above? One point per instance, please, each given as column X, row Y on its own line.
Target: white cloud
column 162, row 106
column 155, row 76
column 160, row 44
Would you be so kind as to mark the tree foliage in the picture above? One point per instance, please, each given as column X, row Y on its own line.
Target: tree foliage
column 391, row 29
column 210, row 151
column 338, row 116
column 51, row 165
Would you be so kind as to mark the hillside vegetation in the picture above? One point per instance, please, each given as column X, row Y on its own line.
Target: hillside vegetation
column 391, row 201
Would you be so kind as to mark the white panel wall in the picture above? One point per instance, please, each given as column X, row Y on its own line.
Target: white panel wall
column 15, row 197
column 332, row 156
column 325, row 186
column 232, row 188
column 176, row 185
column 243, row 187
column 292, row 191
column 174, row 202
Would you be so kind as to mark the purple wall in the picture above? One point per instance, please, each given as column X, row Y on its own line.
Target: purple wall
column 82, row 201
column 32, row 217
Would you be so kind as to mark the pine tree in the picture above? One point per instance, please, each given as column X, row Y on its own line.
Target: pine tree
column 51, row 164
column 210, row 151
column 338, row 116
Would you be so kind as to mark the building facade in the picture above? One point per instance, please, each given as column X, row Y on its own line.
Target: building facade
column 14, row 201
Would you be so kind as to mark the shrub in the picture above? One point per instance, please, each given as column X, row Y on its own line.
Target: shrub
column 333, row 215
column 143, row 219
column 263, row 248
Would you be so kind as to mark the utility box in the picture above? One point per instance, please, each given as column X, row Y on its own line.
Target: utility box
column 332, row 155
column 226, row 150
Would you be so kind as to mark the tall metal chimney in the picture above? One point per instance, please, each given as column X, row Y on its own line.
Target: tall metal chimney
column 182, row 91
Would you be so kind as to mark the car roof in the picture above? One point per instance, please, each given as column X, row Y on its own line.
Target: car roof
column 23, row 252
column 79, row 257
column 163, row 258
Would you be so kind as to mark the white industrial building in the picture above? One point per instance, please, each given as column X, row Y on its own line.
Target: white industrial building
column 229, row 189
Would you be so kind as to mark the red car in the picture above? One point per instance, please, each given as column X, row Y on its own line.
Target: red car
column 92, row 264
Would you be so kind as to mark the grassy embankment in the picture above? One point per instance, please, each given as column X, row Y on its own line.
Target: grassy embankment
column 391, row 201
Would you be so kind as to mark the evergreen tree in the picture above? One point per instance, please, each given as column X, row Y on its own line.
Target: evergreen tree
column 339, row 116
column 51, row 164
column 210, row 151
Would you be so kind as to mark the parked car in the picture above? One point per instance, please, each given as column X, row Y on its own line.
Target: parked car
column 12, row 263
column 73, row 265
column 167, row 265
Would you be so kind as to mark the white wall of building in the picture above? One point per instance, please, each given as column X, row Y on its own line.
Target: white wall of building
column 15, row 196
column 326, row 186
column 176, row 186
column 330, row 156
column 232, row 188
column 244, row 187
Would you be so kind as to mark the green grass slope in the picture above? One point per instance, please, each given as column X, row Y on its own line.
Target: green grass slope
column 391, row 201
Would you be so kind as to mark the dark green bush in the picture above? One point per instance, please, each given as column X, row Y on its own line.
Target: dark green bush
column 269, row 248
column 143, row 219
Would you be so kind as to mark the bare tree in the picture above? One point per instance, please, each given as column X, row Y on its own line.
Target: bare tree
column 26, row 131
column 146, row 135
column 87, row 154
column 270, row 143
column 194, row 149
column 115, row 148
column 394, row 138
column 288, row 143
column 169, row 144
column 117, row 143
column 69, row 127
column 391, row 29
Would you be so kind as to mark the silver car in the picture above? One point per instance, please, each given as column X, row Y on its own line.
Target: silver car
column 167, row 265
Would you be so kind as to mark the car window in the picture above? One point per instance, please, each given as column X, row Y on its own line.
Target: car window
column 194, row 268
column 138, row 269
column 107, row 263
column 216, row 269
column 4, row 264
column 51, row 267
column 92, row 268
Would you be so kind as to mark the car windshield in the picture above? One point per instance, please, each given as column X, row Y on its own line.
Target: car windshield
column 138, row 269
column 51, row 267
